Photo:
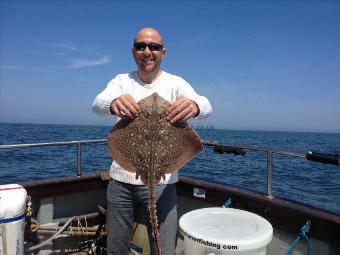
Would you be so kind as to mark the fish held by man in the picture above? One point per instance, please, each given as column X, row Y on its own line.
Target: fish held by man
column 151, row 147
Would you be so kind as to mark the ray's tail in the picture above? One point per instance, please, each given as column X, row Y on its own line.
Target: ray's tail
column 154, row 219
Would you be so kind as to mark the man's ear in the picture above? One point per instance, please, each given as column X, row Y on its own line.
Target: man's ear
column 163, row 51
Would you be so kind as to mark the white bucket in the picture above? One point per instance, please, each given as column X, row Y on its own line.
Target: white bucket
column 12, row 218
column 224, row 231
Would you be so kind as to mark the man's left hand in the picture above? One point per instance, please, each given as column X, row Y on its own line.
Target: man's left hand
column 181, row 110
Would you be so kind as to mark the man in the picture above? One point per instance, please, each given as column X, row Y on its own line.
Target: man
column 120, row 98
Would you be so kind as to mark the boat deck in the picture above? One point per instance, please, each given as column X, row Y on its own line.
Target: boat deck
column 59, row 199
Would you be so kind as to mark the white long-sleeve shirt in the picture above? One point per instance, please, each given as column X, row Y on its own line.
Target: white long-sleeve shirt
column 168, row 86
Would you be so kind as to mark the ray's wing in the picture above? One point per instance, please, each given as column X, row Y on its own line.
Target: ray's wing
column 178, row 146
column 121, row 145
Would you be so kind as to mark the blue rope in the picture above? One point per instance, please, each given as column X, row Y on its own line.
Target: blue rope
column 227, row 203
column 304, row 230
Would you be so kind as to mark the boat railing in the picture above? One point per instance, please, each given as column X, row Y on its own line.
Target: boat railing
column 240, row 150
column 77, row 143
column 217, row 147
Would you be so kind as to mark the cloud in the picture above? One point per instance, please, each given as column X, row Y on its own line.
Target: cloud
column 79, row 63
column 66, row 48
column 62, row 46
column 57, row 48
column 10, row 67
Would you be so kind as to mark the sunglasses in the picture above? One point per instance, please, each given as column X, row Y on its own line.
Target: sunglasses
column 140, row 46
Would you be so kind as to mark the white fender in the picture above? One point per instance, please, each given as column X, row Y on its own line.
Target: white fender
column 12, row 219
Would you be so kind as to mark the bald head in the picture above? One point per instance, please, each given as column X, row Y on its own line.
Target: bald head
column 150, row 33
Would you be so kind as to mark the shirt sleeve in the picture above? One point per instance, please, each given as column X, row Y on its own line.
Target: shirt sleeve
column 101, row 104
column 202, row 102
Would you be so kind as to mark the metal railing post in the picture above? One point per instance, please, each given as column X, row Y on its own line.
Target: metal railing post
column 269, row 174
column 79, row 172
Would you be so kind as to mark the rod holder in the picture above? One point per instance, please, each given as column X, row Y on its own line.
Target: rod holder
column 333, row 159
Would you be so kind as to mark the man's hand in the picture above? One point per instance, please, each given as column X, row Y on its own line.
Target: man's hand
column 181, row 110
column 125, row 107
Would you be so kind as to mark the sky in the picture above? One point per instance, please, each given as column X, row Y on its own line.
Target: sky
column 264, row 65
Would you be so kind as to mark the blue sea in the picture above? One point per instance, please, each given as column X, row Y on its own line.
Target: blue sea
column 294, row 179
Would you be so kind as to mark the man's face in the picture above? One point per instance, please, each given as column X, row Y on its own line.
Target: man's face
column 148, row 60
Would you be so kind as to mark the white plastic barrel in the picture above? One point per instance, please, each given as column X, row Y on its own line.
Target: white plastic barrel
column 224, row 231
column 12, row 218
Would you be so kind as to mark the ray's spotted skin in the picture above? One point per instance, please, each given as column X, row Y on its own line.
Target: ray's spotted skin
column 151, row 147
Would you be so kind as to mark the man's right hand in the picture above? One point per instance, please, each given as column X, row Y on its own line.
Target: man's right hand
column 125, row 107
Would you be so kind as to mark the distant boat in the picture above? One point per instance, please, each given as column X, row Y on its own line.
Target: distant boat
column 201, row 127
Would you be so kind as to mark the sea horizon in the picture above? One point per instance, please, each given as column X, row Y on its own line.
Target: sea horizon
column 194, row 126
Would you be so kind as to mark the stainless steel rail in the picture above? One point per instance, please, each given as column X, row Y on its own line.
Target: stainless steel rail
column 333, row 159
column 269, row 151
column 221, row 148
column 78, row 143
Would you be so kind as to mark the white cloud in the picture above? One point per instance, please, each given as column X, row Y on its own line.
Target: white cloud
column 62, row 46
column 10, row 67
column 66, row 48
column 79, row 63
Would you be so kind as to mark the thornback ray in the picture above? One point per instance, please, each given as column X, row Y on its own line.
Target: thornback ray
column 151, row 147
